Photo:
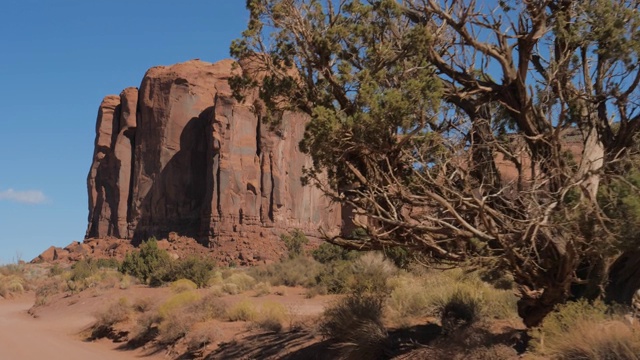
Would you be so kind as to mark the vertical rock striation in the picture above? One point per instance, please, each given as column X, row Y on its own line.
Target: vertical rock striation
column 182, row 155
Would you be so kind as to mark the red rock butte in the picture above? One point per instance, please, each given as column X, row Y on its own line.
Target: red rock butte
column 181, row 155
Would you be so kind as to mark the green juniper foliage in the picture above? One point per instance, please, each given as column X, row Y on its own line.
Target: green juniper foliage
column 468, row 132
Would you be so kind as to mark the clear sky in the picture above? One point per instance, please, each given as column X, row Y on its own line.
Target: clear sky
column 58, row 59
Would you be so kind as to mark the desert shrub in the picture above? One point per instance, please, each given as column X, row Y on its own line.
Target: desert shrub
column 230, row 288
column 215, row 279
column 591, row 340
column 55, row 270
column 501, row 304
column 295, row 242
column 208, row 307
column 372, row 272
column 355, row 322
column 400, row 257
column 183, row 285
column 177, row 301
column 46, row 290
column 272, row 316
column 142, row 305
column 102, row 263
column 462, row 308
column 146, row 261
column 327, row 253
column 197, row 269
column 146, row 327
column 337, row 277
column 14, row 285
column 243, row 281
column 125, row 282
column 262, row 289
column 117, row 312
column 300, row 271
column 454, row 290
column 242, row 311
column 82, row 269
column 369, row 273
column 584, row 330
column 175, row 324
column 409, row 298
column 200, row 338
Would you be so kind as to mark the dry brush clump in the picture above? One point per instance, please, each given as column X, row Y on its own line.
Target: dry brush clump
column 586, row 330
column 244, row 310
column 272, row 316
column 454, row 296
column 355, row 324
column 115, row 313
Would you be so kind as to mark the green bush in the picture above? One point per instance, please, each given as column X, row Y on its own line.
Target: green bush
column 197, row 269
column 295, row 242
column 327, row 253
column 145, row 262
column 83, row 269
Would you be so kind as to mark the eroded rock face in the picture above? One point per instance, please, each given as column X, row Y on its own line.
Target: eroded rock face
column 182, row 155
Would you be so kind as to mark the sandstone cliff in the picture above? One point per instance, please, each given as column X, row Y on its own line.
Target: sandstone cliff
column 182, row 155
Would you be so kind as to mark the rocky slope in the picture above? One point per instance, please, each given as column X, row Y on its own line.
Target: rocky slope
column 181, row 155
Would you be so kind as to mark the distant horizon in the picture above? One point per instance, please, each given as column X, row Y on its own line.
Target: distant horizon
column 60, row 62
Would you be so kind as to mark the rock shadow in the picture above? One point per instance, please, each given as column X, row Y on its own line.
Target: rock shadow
column 175, row 200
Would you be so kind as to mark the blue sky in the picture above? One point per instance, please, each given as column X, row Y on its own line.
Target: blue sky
column 58, row 59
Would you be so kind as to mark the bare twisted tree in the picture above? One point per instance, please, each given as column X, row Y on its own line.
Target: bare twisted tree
column 468, row 132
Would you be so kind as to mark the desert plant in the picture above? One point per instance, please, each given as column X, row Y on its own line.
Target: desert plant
column 463, row 308
column 295, row 242
column 262, row 289
column 198, row 340
column 585, row 330
column 117, row 312
column 46, row 290
column 368, row 273
column 299, row 271
column 146, row 261
column 182, row 285
column 355, row 322
column 55, row 270
column 409, row 298
column 230, row 288
column 208, row 307
column 243, row 281
column 272, row 316
column 592, row 340
column 328, row 253
column 242, row 311
column 142, row 304
column 177, row 301
column 175, row 324
column 196, row 269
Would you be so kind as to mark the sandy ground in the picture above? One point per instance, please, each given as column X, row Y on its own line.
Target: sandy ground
column 23, row 337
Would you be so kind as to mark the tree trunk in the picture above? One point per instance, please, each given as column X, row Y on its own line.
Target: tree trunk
column 591, row 163
column 534, row 306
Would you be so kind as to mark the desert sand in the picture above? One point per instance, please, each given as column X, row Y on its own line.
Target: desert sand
column 23, row 337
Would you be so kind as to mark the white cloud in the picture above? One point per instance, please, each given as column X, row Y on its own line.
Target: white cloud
column 26, row 197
